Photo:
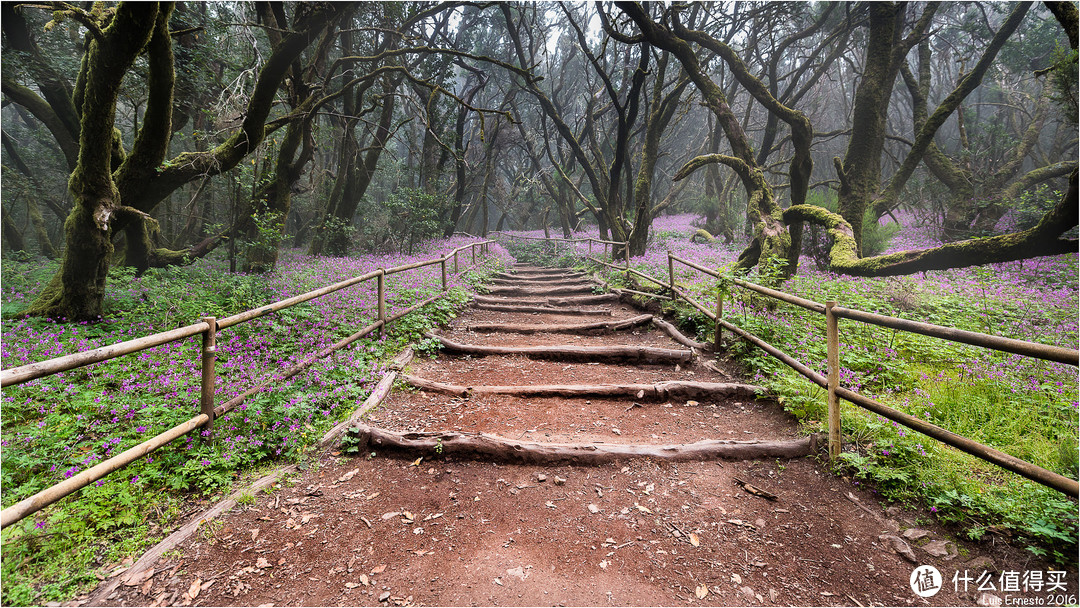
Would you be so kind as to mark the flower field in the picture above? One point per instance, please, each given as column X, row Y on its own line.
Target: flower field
column 57, row 426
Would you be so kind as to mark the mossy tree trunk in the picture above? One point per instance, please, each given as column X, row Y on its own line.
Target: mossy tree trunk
column 661, row 111
column 77, row 291
column 771, row 240
column 962, row 207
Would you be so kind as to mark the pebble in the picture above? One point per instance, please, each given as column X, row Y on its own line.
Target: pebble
column 937, row 548
column 897, row 544
column 914, row 533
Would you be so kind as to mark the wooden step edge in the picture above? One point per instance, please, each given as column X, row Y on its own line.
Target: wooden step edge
column 561, row 328
column 618, row 353
column 585, row 312
column 493, row 448
column 659, row 391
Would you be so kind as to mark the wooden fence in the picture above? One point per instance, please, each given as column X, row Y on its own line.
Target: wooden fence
column 833, row 312
column 208, row 328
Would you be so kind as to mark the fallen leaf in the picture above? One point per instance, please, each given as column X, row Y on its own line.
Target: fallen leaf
column 364, row 580
column 643, row 509
column 694, row 540
column 593, row 508
column 827, row 594
column 254, row 533
column 193, row 590
column 691, row 403
column 409, row 516
column 378, row 569
column 391, row 515
column 735, row 578
column 349, row 475
column 649, row 488
column 498, row 582
column 416, row 462
column 147, row 586
column 207, row 584
column 373, row 496
column 759, row 564
column 773, row 595
column 604, row 564
column 549, row 504
column 701, row 591
column 262, row 563
column 352, row 585
column 518, row 572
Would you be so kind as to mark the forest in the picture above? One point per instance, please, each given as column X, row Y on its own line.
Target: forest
column 163, row 161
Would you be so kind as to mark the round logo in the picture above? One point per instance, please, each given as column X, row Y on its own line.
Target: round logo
column 925, row 581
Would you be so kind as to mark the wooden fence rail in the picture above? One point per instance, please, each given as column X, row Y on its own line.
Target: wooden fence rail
column 830, row 382
column 208, row 327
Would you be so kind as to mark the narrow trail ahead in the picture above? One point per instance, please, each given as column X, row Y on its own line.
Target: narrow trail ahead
column 538, row 376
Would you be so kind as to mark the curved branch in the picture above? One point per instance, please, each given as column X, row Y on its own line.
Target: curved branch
column 1043, row 239
column 737, row 164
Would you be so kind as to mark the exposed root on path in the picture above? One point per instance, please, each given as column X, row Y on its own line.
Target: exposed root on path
column 500, row 449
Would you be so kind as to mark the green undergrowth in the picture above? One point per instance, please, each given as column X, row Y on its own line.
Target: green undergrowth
column 57, row 426
column 1022, row 406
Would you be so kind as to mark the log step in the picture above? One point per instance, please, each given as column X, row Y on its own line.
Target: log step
column 542, row 291
column 601, row 298
column 568, row 328
column 495, row 448
column 529, row 283
column 661, row 391
column 540, row 278
column 585, row 312
column 639, row 354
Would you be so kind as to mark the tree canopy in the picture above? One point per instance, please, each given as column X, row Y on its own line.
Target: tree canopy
column 154, row 133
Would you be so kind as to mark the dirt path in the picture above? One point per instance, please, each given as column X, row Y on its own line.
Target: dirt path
column 383, row 530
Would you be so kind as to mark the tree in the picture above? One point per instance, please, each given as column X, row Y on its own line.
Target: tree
column 115, row 189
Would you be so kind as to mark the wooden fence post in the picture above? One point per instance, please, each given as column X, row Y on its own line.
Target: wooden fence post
column 626, row 254
column 671, row 275
column 473, row 249
column 455, row 262
column 442, row 264
column 832, row 339
column 209, row 361
column 590, row 247
column 718, row 338
column 382, row 303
